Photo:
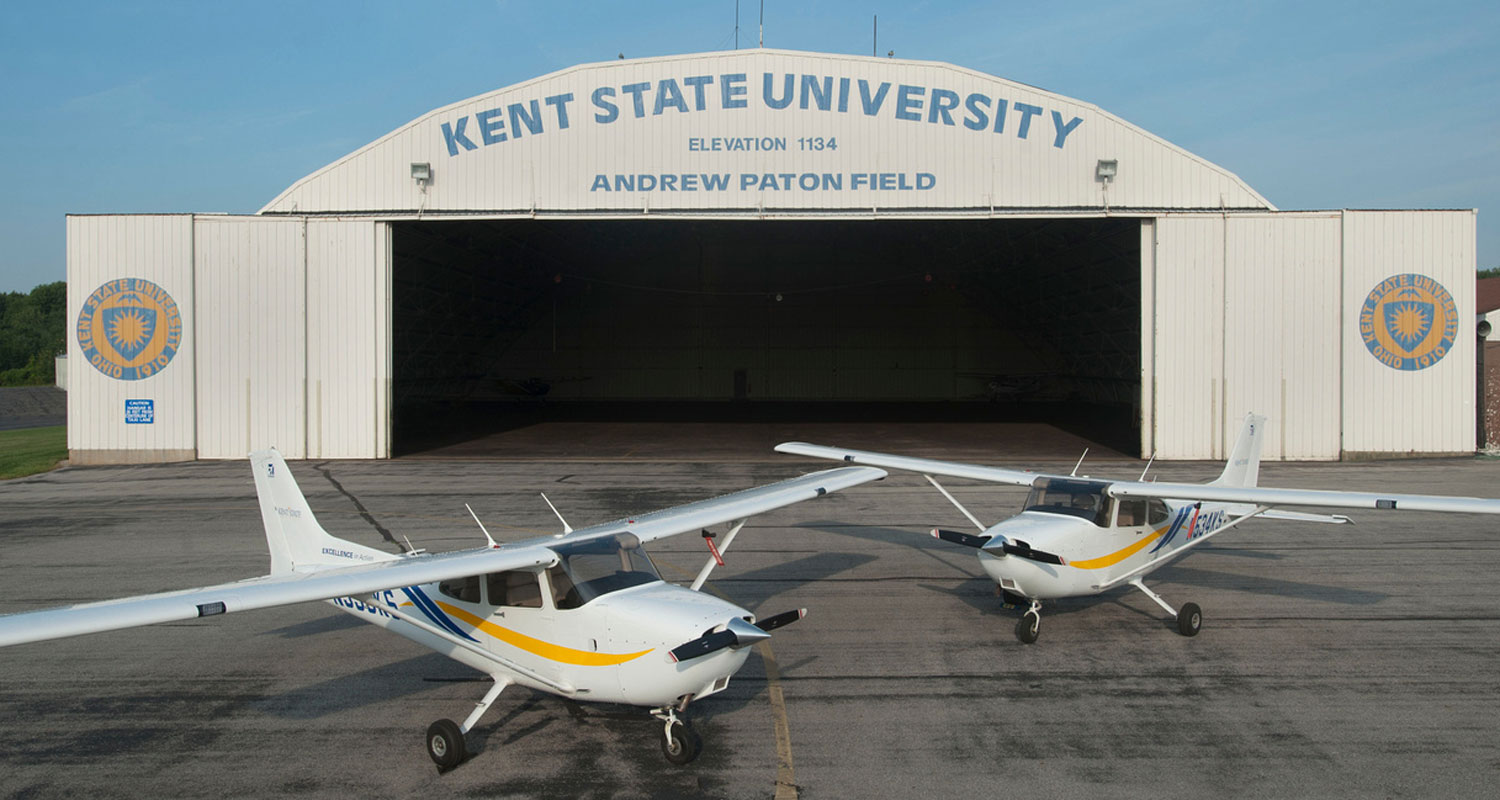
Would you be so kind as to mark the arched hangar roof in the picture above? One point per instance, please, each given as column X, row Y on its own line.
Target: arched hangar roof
column 766, row 132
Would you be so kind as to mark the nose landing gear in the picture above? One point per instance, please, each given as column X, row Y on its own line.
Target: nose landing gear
column 680, row 743
column 1029, row 627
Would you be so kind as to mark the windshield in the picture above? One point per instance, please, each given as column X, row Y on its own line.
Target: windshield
column 1085, row 499
column 597, row 567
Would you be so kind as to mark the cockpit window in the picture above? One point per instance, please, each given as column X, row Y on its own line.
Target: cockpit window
column 597, row 567
column 465, row 589
column 1085, row 499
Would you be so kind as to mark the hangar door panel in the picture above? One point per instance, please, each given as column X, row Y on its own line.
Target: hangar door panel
column 252, row 353
column 1281, row 332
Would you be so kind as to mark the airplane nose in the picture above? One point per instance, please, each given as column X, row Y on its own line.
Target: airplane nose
column 737, row 633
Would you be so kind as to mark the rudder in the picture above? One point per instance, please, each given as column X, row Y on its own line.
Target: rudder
column 293, row 535
column 1243, row 467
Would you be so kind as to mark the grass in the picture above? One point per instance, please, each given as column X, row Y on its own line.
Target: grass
column 32, row 450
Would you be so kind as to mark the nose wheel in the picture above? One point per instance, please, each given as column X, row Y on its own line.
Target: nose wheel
column 680, row 743
column 1030, row 624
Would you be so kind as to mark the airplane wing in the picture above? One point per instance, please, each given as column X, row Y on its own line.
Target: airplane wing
column 924, row 465
column 1265, row 496
column 695, row 516
column 264, row 592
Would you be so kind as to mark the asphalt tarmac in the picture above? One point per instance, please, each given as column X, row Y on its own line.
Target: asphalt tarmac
column 1335, row 661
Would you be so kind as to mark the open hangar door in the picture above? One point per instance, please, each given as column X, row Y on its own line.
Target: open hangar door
column 509, row 322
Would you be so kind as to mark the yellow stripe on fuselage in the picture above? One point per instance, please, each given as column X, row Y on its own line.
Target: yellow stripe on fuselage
column 537, row 647
column 1117, row 556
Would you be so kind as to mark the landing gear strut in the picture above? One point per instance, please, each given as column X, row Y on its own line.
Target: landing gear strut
column 1189, row 617
column 1030, row 624
column 445, row 738
column 679, row 743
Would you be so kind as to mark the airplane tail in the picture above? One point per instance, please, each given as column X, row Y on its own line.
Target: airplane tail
column 1243, row 467
column 295, row 538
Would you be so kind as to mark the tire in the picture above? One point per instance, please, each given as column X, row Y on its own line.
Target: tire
column 1189, row 619
column 445, row 744
column 685, row 745
column 1029, row 627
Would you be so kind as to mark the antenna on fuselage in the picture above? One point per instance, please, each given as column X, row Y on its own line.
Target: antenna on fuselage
column 1149, row 462
column 487, row 535
column 566, row 527
column 1080, row 463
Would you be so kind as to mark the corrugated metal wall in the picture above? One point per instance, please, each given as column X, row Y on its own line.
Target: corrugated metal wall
column 105, row 250
column 984, row 143
column 1261, row 313
column 252, row 336
column 1395, row 410
column 348, row 342
column 286, row 338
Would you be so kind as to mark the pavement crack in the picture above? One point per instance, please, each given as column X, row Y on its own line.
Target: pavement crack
column 363, row 512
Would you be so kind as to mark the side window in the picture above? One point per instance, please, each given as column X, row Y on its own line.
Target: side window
column 564, row 596
column 465, row 589
column 1157, row 513
column 518, row 589
column 1131, row 513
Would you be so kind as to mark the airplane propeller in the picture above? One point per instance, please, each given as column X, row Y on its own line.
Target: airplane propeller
column 736, row 633
column 1016, row 548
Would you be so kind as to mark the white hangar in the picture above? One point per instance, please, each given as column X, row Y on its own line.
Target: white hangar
column 763, row 227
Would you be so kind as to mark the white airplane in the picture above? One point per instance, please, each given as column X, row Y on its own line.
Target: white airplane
column 1079, row 536
column 583, row 614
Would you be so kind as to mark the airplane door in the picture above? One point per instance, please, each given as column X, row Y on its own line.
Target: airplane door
column 520, row 624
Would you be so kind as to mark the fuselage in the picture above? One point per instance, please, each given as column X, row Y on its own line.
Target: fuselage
column 598, row 626
column 1098, row 537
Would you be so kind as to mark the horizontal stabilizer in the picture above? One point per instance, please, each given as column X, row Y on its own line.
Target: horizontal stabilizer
column 965, row 539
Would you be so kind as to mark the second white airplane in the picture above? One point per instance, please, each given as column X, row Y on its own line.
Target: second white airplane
column 1080, row 536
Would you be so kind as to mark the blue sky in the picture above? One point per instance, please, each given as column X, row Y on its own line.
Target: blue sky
column 197, row 106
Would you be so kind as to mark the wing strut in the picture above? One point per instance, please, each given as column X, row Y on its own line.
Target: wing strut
column 713, row 560
column 955, row 503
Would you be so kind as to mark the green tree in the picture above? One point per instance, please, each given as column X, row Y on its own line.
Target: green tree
column 32, row 329
column 1490, row 273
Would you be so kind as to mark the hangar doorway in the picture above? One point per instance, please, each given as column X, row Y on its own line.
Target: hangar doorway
column 506, row 323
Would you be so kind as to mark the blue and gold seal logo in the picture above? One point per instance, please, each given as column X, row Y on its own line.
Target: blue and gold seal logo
column 1409, row 322
column 129, row 329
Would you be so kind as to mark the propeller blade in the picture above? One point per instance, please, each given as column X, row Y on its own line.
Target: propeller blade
column 1023, row 550
column 785, row 618
column 965, row 539
column 736, row 633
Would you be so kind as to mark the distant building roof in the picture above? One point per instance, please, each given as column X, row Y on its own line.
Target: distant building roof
column 1488, row 294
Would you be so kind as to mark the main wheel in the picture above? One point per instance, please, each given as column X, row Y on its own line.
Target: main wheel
column 1189, row 619
column 1029, row 627
column 445, row 744
column 685, row 744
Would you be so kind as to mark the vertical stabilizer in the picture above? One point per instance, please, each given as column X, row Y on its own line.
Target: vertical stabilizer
column 1243, row 466
column 296, row 540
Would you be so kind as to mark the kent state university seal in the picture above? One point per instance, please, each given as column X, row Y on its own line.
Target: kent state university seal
column 1409, row 322
column 129, row 329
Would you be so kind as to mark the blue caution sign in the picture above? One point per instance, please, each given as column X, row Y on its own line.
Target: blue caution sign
column 140, row 412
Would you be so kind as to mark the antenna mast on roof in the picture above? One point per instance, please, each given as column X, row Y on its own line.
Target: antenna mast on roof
column 762, row 23
column 875, row 35
column 736, row 24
